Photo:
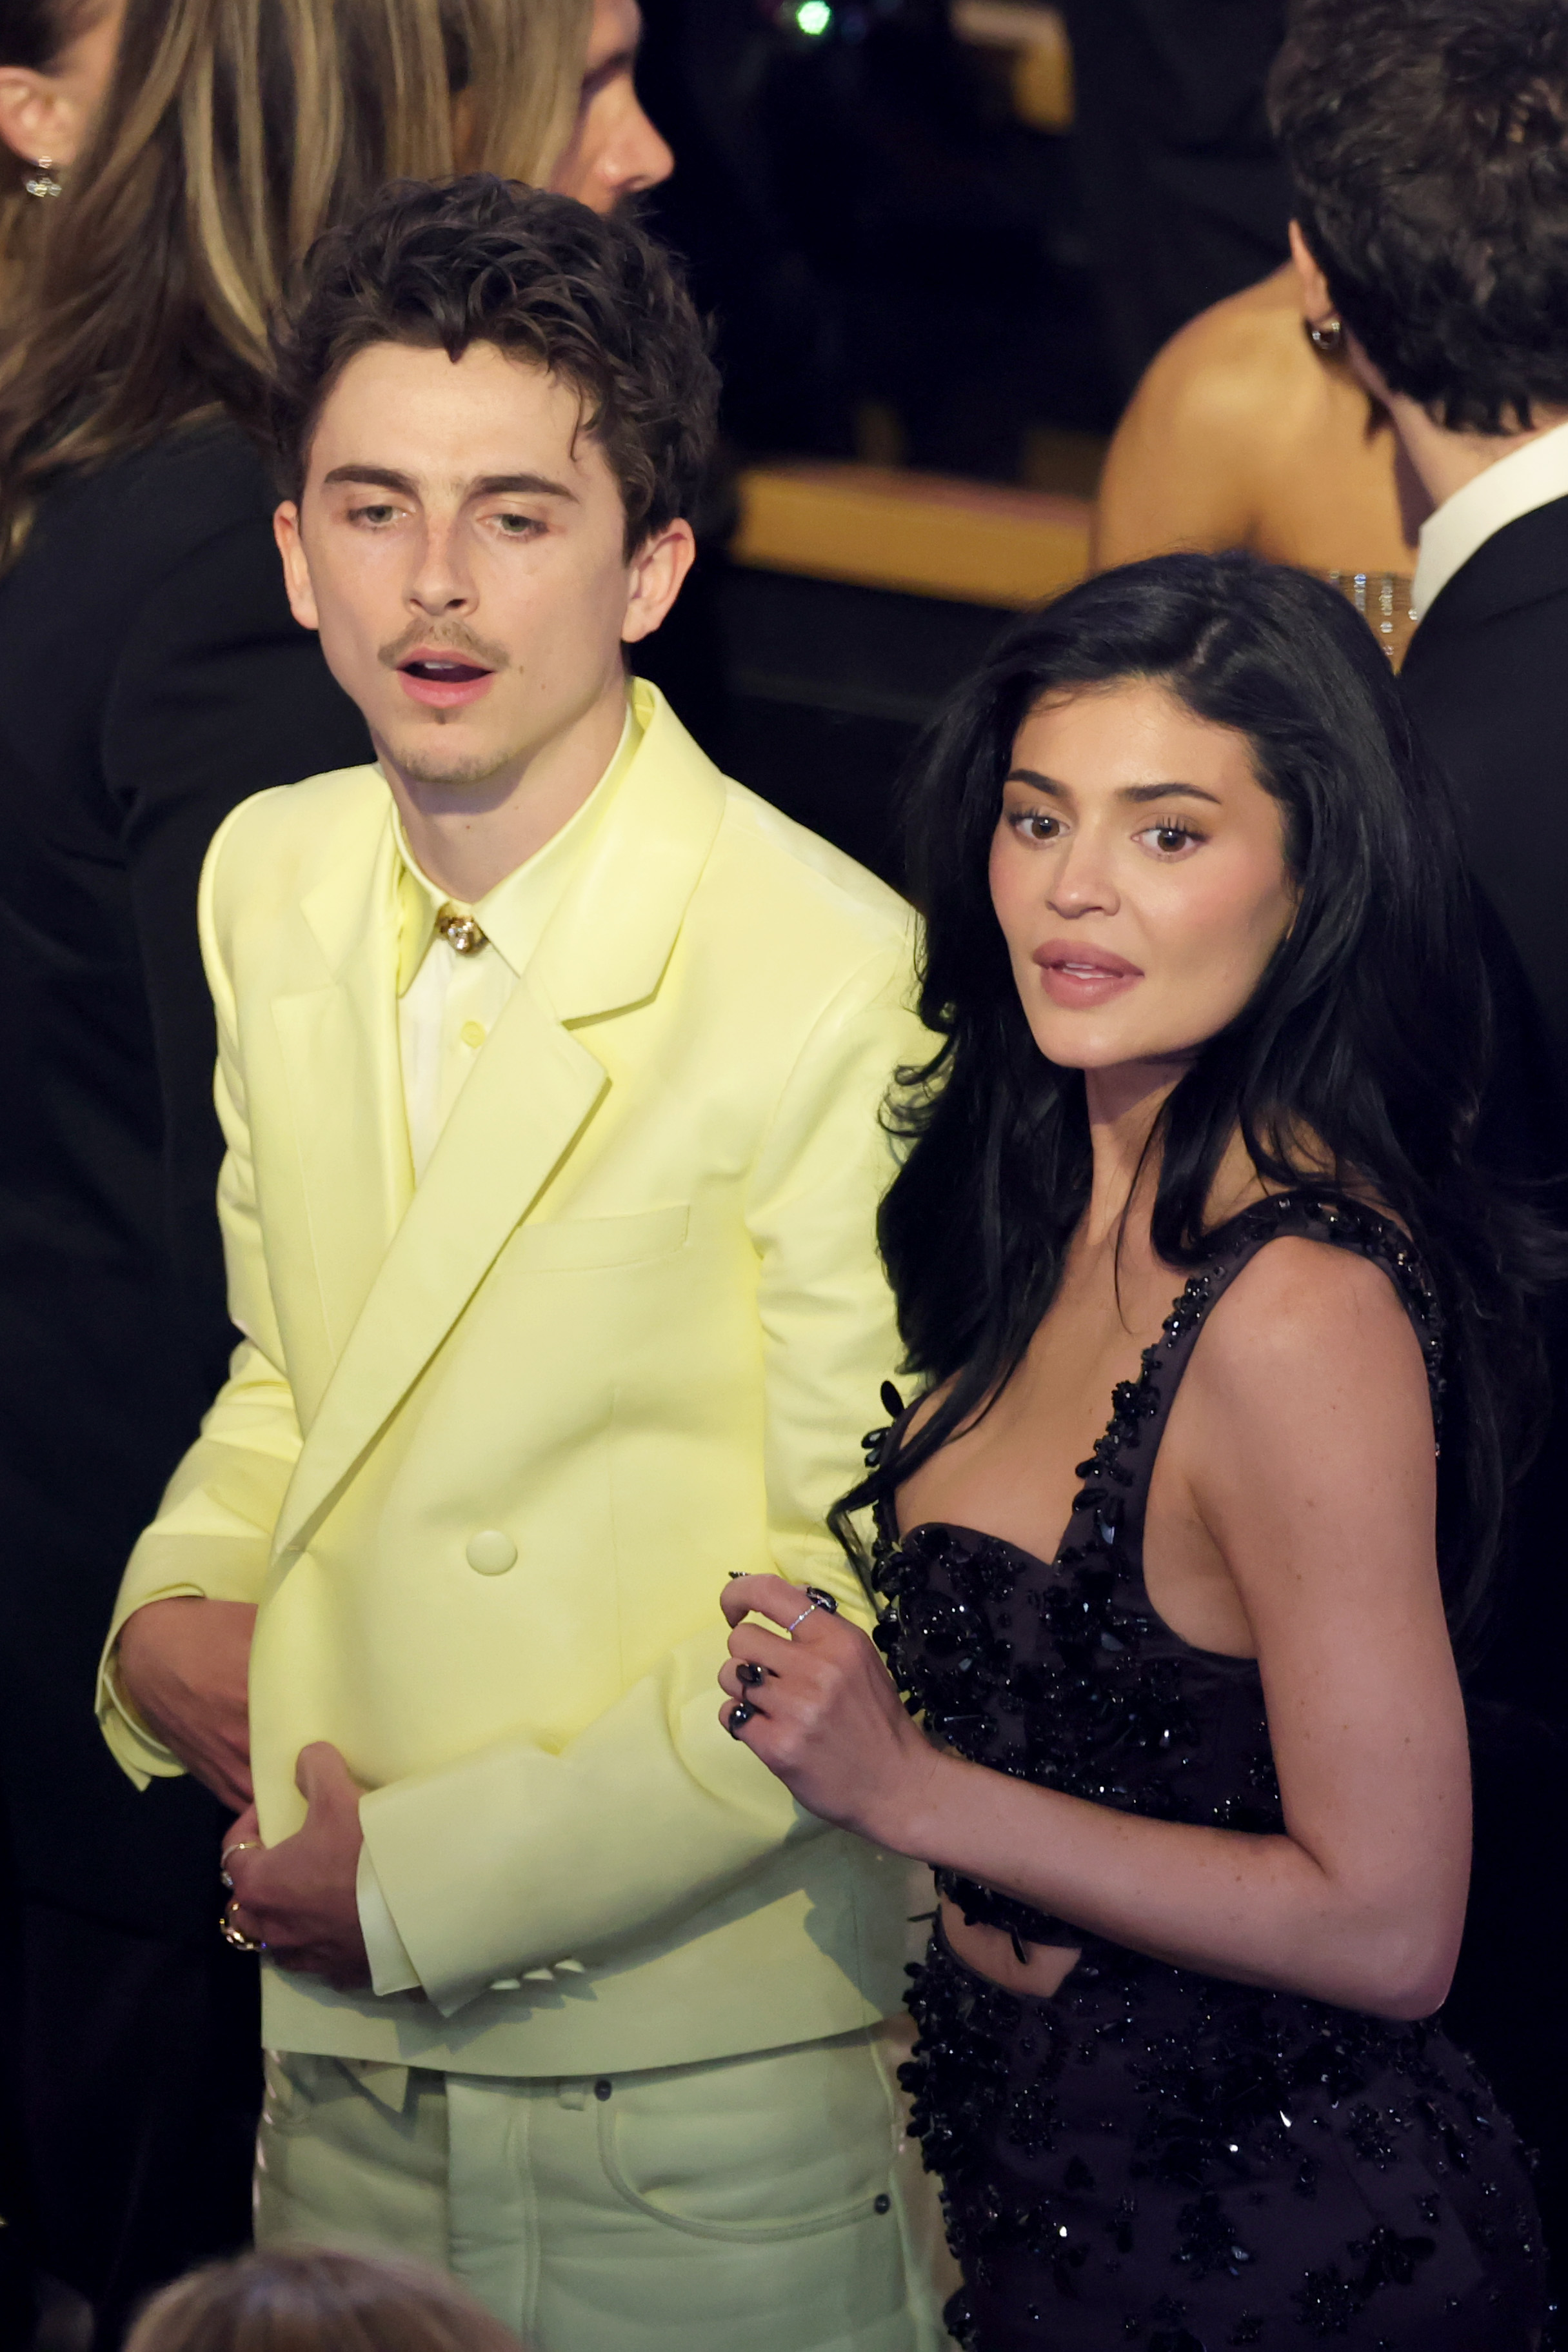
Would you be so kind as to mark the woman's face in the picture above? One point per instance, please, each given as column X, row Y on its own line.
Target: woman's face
column 1138, row 874
column 615, row 151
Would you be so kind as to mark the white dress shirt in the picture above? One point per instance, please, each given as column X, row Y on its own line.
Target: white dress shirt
column 1529, row 477
column 448, row 1004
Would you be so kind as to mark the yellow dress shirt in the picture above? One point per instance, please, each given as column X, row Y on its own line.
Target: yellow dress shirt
column 448, row 1003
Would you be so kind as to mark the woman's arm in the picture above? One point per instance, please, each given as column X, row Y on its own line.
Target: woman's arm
column 1303, row 1437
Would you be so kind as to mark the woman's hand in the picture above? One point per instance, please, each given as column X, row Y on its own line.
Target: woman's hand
column 824, row 1714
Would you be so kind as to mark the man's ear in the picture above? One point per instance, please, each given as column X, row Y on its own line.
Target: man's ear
column 654, row 578
column 1317, row 302
column 295, row 571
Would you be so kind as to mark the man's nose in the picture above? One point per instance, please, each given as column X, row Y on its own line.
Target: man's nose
column 440, row 582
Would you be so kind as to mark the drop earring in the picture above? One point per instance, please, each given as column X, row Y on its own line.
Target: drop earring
column 43, row 182
column 1326, row 336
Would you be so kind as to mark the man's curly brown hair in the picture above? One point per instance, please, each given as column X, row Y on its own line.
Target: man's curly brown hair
column 1428, row 144
column 593, row 301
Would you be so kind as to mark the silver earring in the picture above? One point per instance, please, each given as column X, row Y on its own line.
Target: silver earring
column 1326, row 336
column 43, row 182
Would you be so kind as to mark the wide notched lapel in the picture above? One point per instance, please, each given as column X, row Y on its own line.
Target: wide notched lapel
column 338, row 1046
column 531, row 1095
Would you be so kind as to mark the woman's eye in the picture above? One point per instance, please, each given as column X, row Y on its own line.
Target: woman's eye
column 1169, row 840
column 1036, row 824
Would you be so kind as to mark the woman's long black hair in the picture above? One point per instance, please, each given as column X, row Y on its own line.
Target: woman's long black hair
column 1369, row 1034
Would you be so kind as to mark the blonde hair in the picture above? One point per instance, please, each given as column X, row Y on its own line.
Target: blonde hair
column 234, row 132
column 314, row 2299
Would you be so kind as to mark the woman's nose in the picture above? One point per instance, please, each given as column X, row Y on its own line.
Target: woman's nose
column 640, row 156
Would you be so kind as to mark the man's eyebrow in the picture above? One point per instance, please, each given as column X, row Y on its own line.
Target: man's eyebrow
column 380, row 477
column 489, row 486
column 1139, row 795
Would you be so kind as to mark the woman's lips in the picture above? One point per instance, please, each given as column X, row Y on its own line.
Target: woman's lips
column 1077, row 978
column 443, row 682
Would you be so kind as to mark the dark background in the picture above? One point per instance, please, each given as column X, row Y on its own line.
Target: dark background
column 900, row 269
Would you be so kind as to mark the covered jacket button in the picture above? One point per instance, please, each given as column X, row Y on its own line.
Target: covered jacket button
column 491, row 1552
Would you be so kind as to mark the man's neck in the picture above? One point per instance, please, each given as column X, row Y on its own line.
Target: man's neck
column 1445, row 460
column 469, row 837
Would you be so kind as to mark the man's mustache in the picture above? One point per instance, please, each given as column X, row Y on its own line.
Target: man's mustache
column 445, row 637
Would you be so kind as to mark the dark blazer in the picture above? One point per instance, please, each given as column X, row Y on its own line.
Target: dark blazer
column 1486, row 679
column 151, row 675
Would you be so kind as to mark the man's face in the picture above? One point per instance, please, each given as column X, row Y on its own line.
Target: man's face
column 614, row 151
column 460, row 544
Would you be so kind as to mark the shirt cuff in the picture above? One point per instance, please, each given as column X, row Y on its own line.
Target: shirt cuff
column 391, row 1970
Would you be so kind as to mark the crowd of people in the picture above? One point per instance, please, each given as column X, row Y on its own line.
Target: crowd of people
column 475, row 1171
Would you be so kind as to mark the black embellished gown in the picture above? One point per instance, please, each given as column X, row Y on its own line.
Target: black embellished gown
column 1155, row 2157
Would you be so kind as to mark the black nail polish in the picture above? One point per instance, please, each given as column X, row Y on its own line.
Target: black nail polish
column 748, row 1673
column 823, row 1599
column 739, row 1715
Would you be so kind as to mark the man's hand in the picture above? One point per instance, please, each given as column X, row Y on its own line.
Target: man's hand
column 183, row 1666
column 298, row 1898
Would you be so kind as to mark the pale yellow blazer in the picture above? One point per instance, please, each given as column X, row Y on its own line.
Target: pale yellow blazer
column 633, row 1324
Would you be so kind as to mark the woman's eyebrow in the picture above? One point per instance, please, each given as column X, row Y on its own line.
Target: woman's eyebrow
column 1139, row 793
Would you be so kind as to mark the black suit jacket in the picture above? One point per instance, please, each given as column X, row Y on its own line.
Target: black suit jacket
column 151, row 677
column 1486, row 679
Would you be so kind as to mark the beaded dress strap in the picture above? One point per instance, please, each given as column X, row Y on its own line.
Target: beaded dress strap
column 1117, row 1473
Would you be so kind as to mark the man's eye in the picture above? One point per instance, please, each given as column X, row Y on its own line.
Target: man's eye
column 520, row 526
column 374, row 515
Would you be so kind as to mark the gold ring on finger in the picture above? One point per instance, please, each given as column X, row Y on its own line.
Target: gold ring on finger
column 233, row 1935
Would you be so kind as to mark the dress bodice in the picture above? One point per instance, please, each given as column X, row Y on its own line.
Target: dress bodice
column 1061, row 1671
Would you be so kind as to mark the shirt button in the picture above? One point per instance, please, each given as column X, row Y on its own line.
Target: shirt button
column 491, row 1552
column 472, row 1032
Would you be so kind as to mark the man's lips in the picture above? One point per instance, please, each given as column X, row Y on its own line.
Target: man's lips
column 443, row 681
column 1078, row 977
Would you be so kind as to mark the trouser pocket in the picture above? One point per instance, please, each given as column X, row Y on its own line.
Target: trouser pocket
column 755, row 2149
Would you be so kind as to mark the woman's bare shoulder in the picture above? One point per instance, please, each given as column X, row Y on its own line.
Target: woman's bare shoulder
column 1313, row 1312
column 1231, row 363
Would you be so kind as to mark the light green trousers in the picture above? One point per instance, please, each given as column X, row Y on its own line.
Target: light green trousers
column 758, row 2200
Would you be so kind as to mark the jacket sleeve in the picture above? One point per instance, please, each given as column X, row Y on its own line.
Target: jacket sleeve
column 212, row 1534
column 516, row 1858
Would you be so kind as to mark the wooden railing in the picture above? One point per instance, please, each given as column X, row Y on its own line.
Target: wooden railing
column 927, row 534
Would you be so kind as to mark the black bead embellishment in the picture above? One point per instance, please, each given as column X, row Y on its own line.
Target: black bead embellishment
column 1241, row 2109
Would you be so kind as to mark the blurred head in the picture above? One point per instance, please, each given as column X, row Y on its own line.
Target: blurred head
column 613, row 151
column 56, row 58
column 1139, row 874
column 493, row 409
column 1427, row 140
column 311, row 2299
column 1179, row 818
column 233, row 134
